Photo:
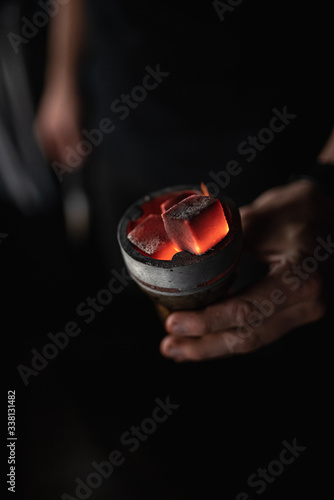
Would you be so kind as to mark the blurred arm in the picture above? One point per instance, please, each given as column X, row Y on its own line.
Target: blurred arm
column 66, row 42
column 57, row 123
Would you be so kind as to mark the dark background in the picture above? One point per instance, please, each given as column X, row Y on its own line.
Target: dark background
column 233, row 413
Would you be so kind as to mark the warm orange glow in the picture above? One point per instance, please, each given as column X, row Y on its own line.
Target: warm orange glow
column 150, row 207
column 204, row 189
column 149, row 238
column 178, row 221
column 165, row 253
column 196, row 224
column 176, row 197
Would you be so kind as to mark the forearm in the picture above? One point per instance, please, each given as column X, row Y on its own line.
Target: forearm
column 66, row 41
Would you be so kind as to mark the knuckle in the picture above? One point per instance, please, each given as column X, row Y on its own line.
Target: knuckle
column 247, row 341
column 243, row 310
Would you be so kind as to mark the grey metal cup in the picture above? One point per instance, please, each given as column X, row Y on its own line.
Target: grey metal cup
column 187, row 281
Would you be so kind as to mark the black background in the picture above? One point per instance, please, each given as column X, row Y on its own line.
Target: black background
column 233, row 413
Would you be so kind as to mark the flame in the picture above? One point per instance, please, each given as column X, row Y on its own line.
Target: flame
column 204, row 189
column 197, row 249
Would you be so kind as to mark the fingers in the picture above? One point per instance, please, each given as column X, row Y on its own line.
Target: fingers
column 195, row 349
column 242, row 340
column 276, row 228
column 184, row 323
column 268, row 295
column 229, row 313
column 212, row 319
column 242, row 323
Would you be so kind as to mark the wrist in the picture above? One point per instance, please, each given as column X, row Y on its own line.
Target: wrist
column 60, row 77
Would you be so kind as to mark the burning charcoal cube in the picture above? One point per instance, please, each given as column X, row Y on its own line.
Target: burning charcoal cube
column 150, row 238
column 151, row 206
column 196, row 223
column 176, row 197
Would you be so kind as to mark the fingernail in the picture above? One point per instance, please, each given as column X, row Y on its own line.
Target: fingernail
column 174, row 352
column 179, row 328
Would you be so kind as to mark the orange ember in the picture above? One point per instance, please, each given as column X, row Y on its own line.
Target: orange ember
column 176, row 197
column 204, row 189
column 150, row 238
column 196, row 223
column 178, row 221
column 152, row 206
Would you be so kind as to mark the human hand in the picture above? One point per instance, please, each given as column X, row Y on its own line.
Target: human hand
column 57, row 124
column 290, row 228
